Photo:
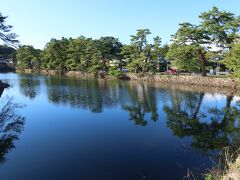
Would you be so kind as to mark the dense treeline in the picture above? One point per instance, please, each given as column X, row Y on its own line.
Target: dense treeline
column 194, row 48
column 80, row 54
column 106, row 54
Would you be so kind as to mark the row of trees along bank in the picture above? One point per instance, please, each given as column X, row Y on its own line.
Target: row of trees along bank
column 194, row 48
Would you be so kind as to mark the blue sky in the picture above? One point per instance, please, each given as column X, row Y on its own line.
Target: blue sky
column 37, row 21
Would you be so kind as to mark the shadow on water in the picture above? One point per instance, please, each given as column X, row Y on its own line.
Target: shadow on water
column 78, row 93
column 137, row 99
column 11, row 125
column 185, row 114
column 29, row 85
column 142, row 101
column 210, row 128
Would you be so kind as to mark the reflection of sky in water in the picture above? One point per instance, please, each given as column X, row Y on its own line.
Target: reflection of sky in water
column 102, row 127
column 219, row 98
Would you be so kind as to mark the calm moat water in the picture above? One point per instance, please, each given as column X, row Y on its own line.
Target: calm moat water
column 65, row 128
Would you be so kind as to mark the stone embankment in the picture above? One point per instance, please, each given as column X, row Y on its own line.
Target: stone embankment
column 163, row 79
column 187, row 80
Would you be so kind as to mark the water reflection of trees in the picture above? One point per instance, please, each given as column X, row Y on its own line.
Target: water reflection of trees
column 185, row 115
column 211, row 128
column 29, row 86
column 142, row 101
column 137, row 99
column 85, row 94
column 11, row 125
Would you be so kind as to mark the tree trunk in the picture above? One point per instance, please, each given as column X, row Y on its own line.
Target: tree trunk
column 105, row 61
column 120, row 65
column 202, row 61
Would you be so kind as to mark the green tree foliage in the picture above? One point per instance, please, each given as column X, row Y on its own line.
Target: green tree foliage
column 55, row 55
column 75, row 50
column 164, row 50
column 5, row 32
column 197, row 37
column 28, row 58
column 183, row 57
column 140, row 50
column 129, row 53
column 222, row 27
column 157, row 51
column 82, row 53
column 192, row 49
column 216, row 29
column 140, row 39
column 110, row 48
column 94, row 56
column 141, row 55
column 232, row 60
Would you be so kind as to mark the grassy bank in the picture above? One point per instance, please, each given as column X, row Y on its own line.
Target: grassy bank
column 228, row 167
